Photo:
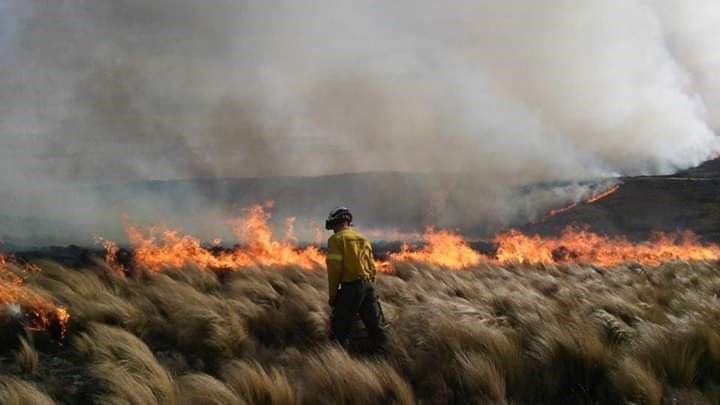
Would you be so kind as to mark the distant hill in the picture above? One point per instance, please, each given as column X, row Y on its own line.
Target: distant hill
column 402, row 202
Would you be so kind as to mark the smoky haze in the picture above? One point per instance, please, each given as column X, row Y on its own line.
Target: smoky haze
column 98, row 96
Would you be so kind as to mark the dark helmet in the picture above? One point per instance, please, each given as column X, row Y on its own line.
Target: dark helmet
column 337, row 215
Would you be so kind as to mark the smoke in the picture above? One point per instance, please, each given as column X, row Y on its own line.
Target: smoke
column 508, row 93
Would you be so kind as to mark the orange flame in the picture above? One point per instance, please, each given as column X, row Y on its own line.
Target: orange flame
column 442, row 248
column 560, row 210
column 582, row 246
column 111, row 251
column 592, row 199
column 263, row 250
column 604, row 194
column 157, row 248
column 37, row 311
column 574, row 245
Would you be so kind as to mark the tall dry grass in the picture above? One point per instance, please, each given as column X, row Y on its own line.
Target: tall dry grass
column 14, row 391
column 255, row 384
column 515, row 335
column 202, row 389
column 27, row 358
column 125, row 368
column 331, row 376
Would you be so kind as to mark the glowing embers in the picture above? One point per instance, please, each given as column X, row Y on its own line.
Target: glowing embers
column 21, row 303
column 157, row 248
column 582, row 246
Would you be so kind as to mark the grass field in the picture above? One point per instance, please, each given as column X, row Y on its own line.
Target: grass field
column 514, row 334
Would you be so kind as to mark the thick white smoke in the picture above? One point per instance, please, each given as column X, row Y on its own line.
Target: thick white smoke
column 514, row 92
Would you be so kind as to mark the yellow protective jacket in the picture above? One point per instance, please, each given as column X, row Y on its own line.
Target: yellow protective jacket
column 349, row 258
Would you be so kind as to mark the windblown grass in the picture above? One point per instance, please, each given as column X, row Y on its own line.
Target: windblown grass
column 515, row 335
column 126, row 369
column 202, row 389
column 258, row 386
column 27, row 358
column 17, row 392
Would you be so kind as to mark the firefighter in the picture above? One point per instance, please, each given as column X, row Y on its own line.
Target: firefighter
column 351, row 273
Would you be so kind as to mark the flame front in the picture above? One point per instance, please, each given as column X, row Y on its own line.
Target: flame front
column 574, row 245
column 582, row 246
column 157, row 248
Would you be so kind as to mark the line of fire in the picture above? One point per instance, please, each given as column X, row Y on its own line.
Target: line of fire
column 156, row 248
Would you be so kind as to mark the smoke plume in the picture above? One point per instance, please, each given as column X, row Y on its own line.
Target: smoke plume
column 96, row 94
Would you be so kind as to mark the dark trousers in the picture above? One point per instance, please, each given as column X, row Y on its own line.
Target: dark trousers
column 358, row 297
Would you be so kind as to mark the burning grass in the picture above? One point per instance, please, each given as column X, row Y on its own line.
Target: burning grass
column 544, row 333
column 442, row 248
column 25, row 304
column 583, row 246
column 158, row 248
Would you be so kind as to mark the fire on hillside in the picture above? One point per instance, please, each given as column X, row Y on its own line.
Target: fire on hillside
column 590, row 200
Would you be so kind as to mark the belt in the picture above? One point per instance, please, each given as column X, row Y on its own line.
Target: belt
column 355, row 281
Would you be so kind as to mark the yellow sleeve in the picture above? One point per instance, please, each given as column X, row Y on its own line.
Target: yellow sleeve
column 334, row 264
column 372, row 263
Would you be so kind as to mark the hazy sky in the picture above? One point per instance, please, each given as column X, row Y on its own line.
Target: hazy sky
column 515, row 90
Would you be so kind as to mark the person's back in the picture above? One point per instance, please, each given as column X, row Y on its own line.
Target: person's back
column 351, row 273
column 354, row 252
